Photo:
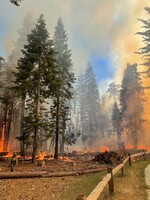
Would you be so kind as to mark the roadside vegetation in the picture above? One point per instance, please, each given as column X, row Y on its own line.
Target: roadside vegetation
column 130, row 186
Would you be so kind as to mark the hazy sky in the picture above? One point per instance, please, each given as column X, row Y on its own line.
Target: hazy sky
column 99, row 31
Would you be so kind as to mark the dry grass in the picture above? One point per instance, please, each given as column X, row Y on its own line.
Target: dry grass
column 131, row 186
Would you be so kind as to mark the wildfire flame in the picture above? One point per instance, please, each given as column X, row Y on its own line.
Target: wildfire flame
column 2, row 140
column 103, row 149
column 41, row 155
column 65, row 158
column 9, row 155
column 129, row 146
column 147, row 148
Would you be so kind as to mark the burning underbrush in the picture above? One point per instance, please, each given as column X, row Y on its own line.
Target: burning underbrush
column 110, row 158
column 74, row 161
column 46, row 163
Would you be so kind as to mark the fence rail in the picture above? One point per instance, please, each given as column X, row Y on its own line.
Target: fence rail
column 108, row 179
column 99, row 188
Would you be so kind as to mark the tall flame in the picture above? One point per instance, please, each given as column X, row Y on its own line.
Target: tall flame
column 2, row 140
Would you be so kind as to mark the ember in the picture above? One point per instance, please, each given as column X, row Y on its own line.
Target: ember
column 104, row 149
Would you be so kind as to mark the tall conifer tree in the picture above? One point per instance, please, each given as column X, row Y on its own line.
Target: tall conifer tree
column 89, row 105
column 131, row 99
column 37, row 73
column 92, row 101
column 65, row 88
column 116, row 120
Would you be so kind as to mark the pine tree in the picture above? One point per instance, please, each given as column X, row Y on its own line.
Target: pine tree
column 113, row 90
column 104, row 119
column 8, row 104
column 116, row 120
column 145, row 51
column 64, row 90
column 81, row 96
column 131, row 99
column 89, row 105
column 12, row 63
column 35, row 79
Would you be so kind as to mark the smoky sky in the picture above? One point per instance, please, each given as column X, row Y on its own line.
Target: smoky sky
column 101, row 29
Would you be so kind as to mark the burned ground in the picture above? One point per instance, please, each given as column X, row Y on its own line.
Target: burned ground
column 43, row 188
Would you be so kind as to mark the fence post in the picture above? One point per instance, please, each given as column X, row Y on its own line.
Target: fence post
column 129, row 159
column 144, row 157
column 111, row 181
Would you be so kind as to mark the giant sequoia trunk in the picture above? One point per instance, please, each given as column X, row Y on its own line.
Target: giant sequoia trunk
column 8, row 120
column 22, row 143
column 57, row 127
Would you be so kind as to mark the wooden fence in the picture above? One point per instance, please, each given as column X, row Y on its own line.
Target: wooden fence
column 108, row 179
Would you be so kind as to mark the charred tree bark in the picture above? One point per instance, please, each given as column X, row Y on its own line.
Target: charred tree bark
column 135, row 132
column 62, row 144
column 35, row 139
column 57, row 127
column 22, row 143
column 5, row 124
column 9, row 121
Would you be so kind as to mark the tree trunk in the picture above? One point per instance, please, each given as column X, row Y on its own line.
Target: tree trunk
column 36, row 128
column 62, row 144
column 118, row 130
column 57, row 127
column 22, row 143
column 135, row 133
column 9, row 122
column 5, row 125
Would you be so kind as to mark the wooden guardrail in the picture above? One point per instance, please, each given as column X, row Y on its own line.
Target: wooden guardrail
column 108, row 179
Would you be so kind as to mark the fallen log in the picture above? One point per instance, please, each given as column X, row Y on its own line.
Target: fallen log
column 88, row 171
column 45, row 174
column 9, row 175
column 4, row 153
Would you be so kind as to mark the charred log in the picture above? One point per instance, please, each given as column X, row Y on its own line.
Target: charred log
column 45, row 174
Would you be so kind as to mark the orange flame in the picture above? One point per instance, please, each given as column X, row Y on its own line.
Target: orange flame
column 144, row 148
column 41, row 155
column 147, row 148
column 2, row 138
column 103, row 149
column 129, row 146
column 9, row 155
